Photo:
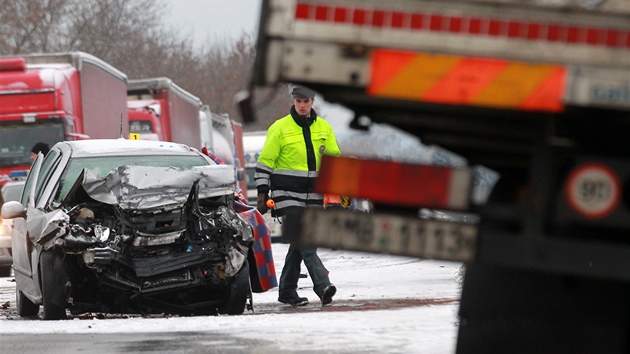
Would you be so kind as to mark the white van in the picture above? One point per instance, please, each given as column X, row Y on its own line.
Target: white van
column 252, row 146
column 253, row 143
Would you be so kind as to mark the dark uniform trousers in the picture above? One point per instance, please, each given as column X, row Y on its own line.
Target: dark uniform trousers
column 292, row 266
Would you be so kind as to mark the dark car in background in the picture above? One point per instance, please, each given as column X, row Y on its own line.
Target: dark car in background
column 123, row 226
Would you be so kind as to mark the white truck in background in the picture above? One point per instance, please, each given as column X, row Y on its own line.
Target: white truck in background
column 253, row 143
column 205, row 127
column 223, row 137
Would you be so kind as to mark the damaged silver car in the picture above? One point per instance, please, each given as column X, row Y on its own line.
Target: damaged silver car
column 120, row 226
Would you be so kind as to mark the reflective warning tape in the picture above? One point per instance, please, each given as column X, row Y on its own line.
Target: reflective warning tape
column 463, row 80
column 395, row 183
column 529, row 30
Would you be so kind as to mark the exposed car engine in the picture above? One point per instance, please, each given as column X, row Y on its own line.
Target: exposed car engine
column 172, row 257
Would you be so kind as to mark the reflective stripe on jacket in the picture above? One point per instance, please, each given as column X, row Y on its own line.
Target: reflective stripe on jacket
column 331, row 199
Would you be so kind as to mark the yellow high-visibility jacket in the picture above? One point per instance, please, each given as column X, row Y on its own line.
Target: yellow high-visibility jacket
column 290, row 161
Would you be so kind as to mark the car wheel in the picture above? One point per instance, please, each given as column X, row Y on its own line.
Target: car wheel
column 240, row 291
column 52, row 285
column 25, row 307
column 5, row 271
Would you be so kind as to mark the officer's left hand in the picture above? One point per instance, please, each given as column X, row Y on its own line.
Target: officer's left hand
column 261, row 203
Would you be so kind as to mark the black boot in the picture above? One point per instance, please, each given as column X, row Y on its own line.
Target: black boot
column 293, row 299
column 327, row 294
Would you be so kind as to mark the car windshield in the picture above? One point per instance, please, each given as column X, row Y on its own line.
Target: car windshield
column 140, row 126
column 103, row 165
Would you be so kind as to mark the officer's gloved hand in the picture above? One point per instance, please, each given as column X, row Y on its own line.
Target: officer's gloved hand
column 261, row 203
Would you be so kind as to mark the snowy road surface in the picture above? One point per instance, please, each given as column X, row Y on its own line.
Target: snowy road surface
column 384, row 304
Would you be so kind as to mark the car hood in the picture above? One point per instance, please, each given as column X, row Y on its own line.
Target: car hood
column 147, row 187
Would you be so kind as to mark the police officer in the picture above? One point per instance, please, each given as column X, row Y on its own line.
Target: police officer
column 286, row 171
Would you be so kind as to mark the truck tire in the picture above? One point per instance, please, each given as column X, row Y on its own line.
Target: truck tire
column 25, row 307
column 52, row 286
column 239, row 292
column 509, row 310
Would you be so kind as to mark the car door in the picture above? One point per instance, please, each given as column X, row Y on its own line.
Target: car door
column 22, row 247
column 28, row 230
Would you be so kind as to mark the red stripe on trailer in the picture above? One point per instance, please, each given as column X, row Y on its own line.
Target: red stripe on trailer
column 341, row 14
column 477, row 26
column 321, row 13
column 455, row 24
column 379, row 18
column 516, row 29
column 301, row 11
column 416, row 21
column 398, row 19
column 435, row 23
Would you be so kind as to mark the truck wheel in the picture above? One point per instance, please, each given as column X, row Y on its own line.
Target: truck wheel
column 52, row 286
column 5, row 271
column 240, row 291
column 25, row 307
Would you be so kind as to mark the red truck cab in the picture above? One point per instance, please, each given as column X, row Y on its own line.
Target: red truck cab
column 54, row 97
column 172, row 112
column 145, row 119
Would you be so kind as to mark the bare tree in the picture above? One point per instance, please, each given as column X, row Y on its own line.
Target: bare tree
column 227, row 69
column 113, row 30
column 30, row 25
column 126, row 33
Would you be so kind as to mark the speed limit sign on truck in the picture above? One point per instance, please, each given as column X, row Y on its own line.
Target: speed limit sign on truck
column 593, row 190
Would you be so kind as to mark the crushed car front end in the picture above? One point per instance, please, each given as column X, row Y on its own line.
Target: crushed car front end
column 153, row 240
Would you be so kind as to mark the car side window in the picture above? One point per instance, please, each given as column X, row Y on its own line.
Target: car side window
column 29, row 183
column 46, row 172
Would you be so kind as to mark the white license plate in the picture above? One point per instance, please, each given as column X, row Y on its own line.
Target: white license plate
column 383, row 233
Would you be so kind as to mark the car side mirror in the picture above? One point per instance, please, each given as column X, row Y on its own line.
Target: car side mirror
column 13, row 209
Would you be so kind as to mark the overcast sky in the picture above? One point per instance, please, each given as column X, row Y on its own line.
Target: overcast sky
column 214, row 19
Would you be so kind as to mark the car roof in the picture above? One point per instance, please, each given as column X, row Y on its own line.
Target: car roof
column 118, row 147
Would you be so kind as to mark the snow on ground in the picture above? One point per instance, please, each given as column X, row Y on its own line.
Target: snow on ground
column 426, row 324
